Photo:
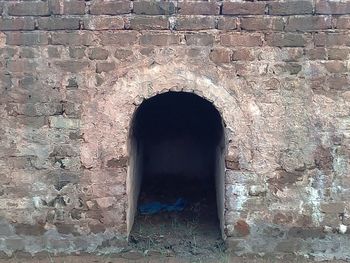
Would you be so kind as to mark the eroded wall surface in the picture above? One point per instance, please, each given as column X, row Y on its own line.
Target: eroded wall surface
column 74, row 72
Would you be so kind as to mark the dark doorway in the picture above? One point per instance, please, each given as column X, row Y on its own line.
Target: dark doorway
column 177, row 144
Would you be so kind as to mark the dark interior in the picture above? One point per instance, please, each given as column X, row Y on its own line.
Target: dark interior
column 179, row 133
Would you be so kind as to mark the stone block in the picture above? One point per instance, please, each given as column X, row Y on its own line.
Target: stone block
column 103, row 23
column 64, row 7
column 17, row 23
column 98, row 53
column 28, row 8
column 149, row 23
column 198, row 8
column 199, row 39
column 154, row 8
column 290, row 8
column 159, row 39
column 286, row 40
column 243, row 8
column 60, row 122
column 185, row 23
column 241, row 39
column 27, row 38
column 110, row 8
column 55, row 23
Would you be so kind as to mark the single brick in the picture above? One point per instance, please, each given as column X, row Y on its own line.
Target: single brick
column 53, row 52
column 123, row 54
column 28, row 8
column 118, row 38
column 154, row 8
column 343, row 22
column 335, row 66
column 105, row 67
column 243, row 54
column 338, row 53
column 195, row 23
column 199, row 39
column 332, row 7
column 220, row 55
column 73, row 66
column 262, row 23
column 60, row 122
column 149, row 23
column 198, row 8
column 241, row 39
column 227, row 23
column 332, row 39
column 290, row 8
column 77, row 52
column 17, row 23
column 159, row 39
column 339, row 82
column 98, row 53
column 316, row 54
column 22, row 65
column 110, row 8
column 286, row 40
column 58, row 23
column 246, row 8
column 103, row 23
column 308, row 23
column 64, row 7
column 26, row 38
column 72, row 38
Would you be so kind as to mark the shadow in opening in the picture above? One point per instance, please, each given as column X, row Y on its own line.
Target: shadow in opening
column 176, row 181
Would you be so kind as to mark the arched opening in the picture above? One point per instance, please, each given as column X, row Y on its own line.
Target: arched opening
column 177, row 146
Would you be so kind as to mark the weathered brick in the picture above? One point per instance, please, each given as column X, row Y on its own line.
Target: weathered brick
column 338, row 53
column 198, row 8
column 338, row 82
column 105, row 67
column 110, row 8
column 21, row 65
column 290, row 8
column 64, row 7
column 118, row 38
column 72, row 38
column 154, row 8
column 195, row 23
column 159, row 39
column 246, row 8
column 199, row 39
column 17, row 23
column 335, row 66
column 332, row 39
column 286, row 40
column 220, row 55
column 262, row 23
column 123, row 54
column 61, row 122
column 241, row 39
column 77, row 52
column 332, row 7
column 316, row 53
column 98, row 53
column 227, row 23
column 28, row 8
column 343, row 22
column 53, row 52
column 26, row 39
column 149, row 23
column 73, row 66
column 103, row 23
column 58, row 23
column 308, row 23
column 243, row 54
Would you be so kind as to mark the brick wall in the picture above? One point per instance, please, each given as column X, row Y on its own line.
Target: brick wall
column 73, row 73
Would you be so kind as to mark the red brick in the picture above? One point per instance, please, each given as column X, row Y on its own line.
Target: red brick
column 241, row 39
column 154, row 8
column 58, row 23
column 118, row 38
column 262, row 23
column 248, row 8
column 159, row 39
column 110, row 8
column 198, row 39
column 72, row 38
column 103, row 23
column 194, row 23
column 220, row 55
column 242, row 228
column 26, row 39
column 286, row 40
column 227, row 23
column 290, row 8
column 17, row 23
column 343, row 22
column 198, row 8
column 28, row 8
column 308, row 23
column 64, row 7
column 332, row 8
column 332, row 39
column 149, row 22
